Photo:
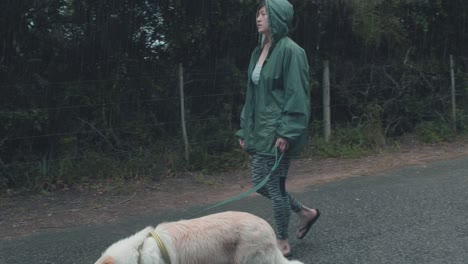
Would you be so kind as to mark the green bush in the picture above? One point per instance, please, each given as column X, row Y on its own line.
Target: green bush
column 434, row 132
column 346, row 142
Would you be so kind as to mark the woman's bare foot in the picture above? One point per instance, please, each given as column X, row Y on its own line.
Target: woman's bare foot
column 306, row 215
column 284, row 247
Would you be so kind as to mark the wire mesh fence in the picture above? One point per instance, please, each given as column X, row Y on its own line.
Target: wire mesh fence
column 144, row 132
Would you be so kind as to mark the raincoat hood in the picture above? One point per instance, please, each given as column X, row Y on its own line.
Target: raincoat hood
column 280, row 18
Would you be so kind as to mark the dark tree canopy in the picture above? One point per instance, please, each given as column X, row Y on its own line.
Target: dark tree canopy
column 80, row 79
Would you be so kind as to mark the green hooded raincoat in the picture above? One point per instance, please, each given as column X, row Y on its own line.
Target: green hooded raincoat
column 279, row 106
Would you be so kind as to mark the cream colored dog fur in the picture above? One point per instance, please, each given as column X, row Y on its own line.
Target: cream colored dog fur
column 223, row 238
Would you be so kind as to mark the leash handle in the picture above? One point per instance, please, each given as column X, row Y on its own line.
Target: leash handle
column 249, row 192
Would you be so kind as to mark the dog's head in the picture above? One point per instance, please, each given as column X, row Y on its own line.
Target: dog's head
column 125, row 251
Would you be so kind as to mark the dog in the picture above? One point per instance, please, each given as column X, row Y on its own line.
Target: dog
column 222, row 238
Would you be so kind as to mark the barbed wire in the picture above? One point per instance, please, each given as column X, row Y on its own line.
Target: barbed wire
column 334, row 106
column 180, row 146
column 78, row 82
column 189, row 73
column 100, row 130
column 121, row 79
column 103, row 130
column 39, row 109
column 442, row 97
column 173, row 98
column 172, row 147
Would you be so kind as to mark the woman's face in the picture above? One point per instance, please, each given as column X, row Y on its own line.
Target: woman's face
column 262, row 21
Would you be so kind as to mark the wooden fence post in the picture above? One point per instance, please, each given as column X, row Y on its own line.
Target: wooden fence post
column 326, row 101
column 182, row 110
column 454, row 106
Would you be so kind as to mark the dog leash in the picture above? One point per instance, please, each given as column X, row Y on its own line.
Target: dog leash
column 158, row 240
column 249, row 192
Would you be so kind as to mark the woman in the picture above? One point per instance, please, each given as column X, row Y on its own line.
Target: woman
column 276, row 114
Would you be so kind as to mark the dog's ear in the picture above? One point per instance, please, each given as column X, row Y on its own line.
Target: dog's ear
column 125, row 250
column 138, row 238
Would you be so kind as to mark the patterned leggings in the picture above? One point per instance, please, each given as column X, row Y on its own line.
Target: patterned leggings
column 275, row 190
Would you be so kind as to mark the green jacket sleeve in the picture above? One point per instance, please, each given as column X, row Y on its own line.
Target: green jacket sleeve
column 296, row 108
column 240, row 132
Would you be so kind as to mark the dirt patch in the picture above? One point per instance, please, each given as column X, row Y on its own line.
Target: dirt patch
column 23, row 215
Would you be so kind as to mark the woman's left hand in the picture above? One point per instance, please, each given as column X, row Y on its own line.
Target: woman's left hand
column 282, row 144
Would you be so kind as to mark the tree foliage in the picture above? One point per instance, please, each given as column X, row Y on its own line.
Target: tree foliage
column 100, row 77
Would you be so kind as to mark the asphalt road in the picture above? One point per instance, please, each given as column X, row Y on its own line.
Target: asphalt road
column 412, row 215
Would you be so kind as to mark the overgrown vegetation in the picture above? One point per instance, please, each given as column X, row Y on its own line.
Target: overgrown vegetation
column 89, row 89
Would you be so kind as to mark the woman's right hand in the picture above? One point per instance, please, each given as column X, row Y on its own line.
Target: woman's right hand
column 242, row 142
